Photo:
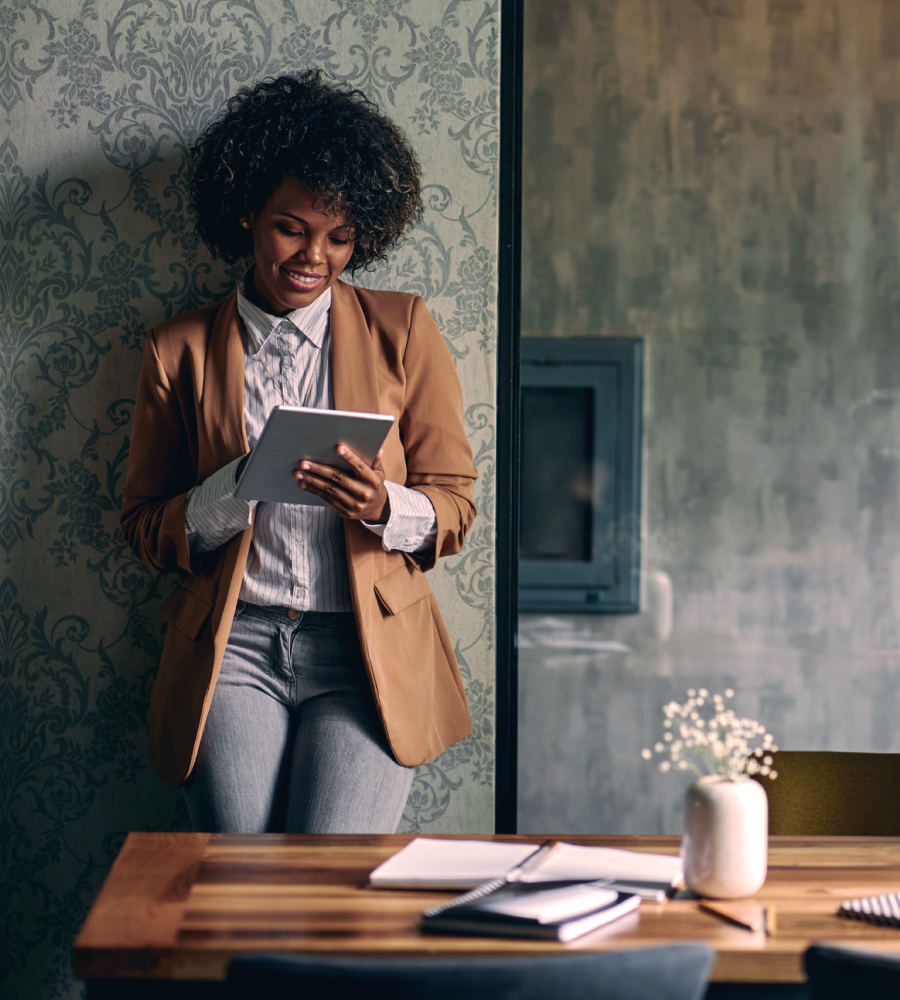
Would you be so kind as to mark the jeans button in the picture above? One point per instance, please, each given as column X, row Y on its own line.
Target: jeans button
column 292, row 614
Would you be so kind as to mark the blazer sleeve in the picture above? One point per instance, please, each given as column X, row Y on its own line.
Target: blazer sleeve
column 432, row 426
column 160, row 469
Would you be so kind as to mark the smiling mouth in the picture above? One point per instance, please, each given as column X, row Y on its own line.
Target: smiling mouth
column 303, row 281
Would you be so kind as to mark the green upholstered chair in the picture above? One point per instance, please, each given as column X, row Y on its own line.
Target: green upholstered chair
column 834, row 793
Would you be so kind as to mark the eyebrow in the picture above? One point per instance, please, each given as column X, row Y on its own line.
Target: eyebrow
column 299, row 218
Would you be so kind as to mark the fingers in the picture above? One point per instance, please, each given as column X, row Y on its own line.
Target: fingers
column 334, row 482
column 371, row 506
column 323, row 473
column 361, row 474
column 328, row 482
column 360, row 466
column 346, row 503
column 359, row 494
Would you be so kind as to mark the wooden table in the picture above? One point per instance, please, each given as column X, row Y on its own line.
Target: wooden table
column 180, row 906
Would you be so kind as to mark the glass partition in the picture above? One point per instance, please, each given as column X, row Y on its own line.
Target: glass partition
column 723, row 185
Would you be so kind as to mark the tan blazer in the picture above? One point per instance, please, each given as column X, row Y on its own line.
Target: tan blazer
column 388, row 356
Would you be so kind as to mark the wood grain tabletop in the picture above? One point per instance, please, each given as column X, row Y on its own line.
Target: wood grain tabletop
column 181, row 905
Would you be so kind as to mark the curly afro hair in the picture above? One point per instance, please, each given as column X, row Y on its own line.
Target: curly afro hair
column 327, row 135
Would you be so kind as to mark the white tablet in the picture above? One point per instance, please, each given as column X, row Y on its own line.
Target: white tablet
column 294, row 433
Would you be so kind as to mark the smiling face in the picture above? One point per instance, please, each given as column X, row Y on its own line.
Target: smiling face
column 300, row 251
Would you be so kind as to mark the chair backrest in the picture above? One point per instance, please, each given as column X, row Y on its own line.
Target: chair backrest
column 672, row 972
column 834, row 793
column 837, row 973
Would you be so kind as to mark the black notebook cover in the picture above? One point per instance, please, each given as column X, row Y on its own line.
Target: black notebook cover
column 479, row 912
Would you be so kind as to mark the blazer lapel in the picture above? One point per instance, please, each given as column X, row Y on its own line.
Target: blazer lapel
column 222, row 400
column 353, row 363
column 353, row 367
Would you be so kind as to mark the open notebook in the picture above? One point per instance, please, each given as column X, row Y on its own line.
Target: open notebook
column 427, row 863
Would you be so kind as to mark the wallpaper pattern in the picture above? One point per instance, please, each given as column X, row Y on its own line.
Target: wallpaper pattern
column 99, row 102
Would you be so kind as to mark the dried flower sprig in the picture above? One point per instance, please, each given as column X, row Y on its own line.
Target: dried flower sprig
column 706, row 737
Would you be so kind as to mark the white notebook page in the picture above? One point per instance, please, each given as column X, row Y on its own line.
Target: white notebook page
column 453, row 861
column 571, row 861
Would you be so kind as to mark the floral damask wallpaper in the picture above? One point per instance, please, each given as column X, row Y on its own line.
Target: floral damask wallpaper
column 99, row 101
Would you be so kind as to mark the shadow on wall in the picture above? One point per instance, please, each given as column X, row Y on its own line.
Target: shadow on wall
column 100, row 101
column 91, row 261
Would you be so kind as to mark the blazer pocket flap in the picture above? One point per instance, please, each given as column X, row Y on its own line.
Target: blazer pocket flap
column 186, row 611
column 404, row 586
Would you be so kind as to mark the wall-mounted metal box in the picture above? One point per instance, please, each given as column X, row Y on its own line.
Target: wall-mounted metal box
column 580, row 502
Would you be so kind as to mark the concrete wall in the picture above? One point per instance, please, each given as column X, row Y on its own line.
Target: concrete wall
column 722, row 180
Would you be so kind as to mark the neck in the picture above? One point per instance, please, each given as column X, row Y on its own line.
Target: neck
column 252, row 293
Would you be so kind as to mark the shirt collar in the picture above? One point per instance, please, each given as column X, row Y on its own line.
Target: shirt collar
column 311, row 320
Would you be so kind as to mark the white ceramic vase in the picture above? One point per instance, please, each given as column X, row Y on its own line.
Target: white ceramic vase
column 726, row 837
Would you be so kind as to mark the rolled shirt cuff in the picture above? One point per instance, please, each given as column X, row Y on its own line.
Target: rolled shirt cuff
column 412, row 523
column 213, row 514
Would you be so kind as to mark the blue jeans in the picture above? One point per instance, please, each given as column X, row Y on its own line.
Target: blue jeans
column 293, row 741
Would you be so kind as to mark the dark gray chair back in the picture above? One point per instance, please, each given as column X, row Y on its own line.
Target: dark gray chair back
column 672, row 972
column 841, row 973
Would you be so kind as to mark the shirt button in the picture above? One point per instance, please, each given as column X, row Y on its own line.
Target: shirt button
column 292, row 614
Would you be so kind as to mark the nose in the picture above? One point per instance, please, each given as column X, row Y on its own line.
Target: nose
column 314, row 250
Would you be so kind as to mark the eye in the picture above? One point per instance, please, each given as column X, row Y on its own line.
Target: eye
column 340, row 243
column 290, row 232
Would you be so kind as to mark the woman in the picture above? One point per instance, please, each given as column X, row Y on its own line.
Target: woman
column 306, row 667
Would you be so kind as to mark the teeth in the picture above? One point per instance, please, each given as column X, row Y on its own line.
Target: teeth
column 303, row 279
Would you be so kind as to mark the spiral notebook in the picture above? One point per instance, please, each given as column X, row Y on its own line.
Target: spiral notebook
column 873, row 909
column 427, row 863
column 551, row 911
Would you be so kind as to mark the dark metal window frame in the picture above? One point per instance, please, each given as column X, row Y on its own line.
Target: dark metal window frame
column 610, row 368
column 506, row 692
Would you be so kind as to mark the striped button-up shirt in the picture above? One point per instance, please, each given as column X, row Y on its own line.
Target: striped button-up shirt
column 297, row 557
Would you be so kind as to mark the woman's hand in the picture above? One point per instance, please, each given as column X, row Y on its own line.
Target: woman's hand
column 359, row 495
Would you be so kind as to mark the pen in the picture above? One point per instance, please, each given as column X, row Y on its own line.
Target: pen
column 750, row 918
column 532, row 861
